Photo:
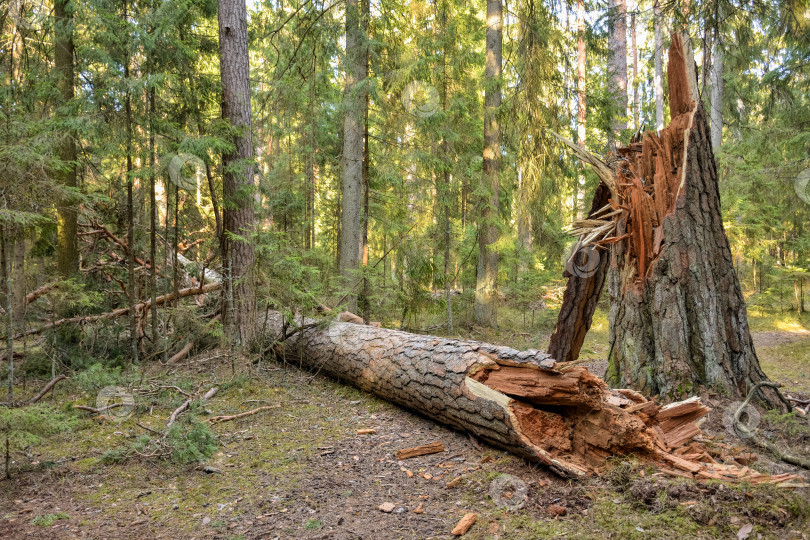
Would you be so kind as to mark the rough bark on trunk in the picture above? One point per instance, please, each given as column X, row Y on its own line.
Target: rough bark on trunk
column 237, row 214
column 485, row 309
column 563, row 417
column 678, row 318
column 581, row 295
column 67, row 251
column 351, row 220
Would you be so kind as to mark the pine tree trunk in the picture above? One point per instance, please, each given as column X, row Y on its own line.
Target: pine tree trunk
column 717, row 93
column 67, row 250
column 238, row 186
column 678, row 318
column 351, row 236
column 581, row 98
column 633, row 46
column 617, row 66
column 658, row 77
column 485, row 309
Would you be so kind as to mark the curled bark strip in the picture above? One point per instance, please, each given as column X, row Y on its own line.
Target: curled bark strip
column 46, row 389
column 787, row 458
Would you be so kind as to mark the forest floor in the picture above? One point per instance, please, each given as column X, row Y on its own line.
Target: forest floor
column 299, row 469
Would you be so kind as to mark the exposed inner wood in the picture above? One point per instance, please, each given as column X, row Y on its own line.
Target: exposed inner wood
column 573, row 418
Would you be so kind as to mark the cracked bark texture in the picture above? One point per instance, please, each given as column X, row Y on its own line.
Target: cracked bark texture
column 678, row 318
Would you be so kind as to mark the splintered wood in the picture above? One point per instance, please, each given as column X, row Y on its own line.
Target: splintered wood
column 572, row 417
column 423, row 450
column 648, row 179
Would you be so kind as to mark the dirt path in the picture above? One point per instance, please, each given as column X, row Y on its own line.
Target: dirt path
column 770, row 339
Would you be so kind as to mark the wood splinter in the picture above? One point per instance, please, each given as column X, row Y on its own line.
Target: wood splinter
column 423, row 450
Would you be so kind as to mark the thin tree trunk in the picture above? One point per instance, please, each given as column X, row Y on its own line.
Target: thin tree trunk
column 636, row 101
column 152, row 220
column 7, row 267
column 717, row 92
column 351, row 236
column 581, row 98
column 133, row 300
column 67, row 244
column 617, row 67
column 238, row 184
column 365, row 299
column 447, row 178
column 18, row 271
column 485, row 309
column 659, row 68
column 678, row 318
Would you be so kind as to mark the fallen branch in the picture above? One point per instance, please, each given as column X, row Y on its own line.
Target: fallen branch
column 224, row 418
column 46, row 389
column 186, row 404
column 40, row 291
column 181, row 353
column 100, row 410
column 141, row 306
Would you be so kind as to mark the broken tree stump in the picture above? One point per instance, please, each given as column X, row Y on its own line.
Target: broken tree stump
column 678, row 317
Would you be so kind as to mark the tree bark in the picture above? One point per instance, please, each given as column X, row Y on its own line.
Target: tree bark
column 617, row 67
column 485, row 309
column 351, row 241
column 238, row 221
column 67, row 251
column 678, row 318
column 131, row 288
column 581, row 296
column 658, row 77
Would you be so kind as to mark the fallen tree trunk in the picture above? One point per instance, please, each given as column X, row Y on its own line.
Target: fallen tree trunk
column 565, row 418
